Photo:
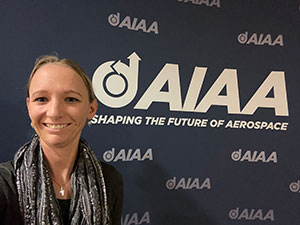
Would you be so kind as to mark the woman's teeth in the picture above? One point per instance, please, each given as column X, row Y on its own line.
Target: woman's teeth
column 56, row 126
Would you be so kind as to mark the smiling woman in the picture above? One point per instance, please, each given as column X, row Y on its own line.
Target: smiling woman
column 56, row 178
column 58, row 105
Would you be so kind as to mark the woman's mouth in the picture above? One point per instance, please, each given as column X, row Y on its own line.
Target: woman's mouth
column 56, row 126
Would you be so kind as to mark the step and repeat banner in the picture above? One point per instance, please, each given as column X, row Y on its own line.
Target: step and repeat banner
column 198, row 100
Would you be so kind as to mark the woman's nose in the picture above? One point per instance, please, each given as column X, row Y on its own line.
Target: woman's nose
column 55, row 109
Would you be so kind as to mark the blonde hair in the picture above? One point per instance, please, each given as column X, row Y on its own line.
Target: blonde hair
column 49, row 59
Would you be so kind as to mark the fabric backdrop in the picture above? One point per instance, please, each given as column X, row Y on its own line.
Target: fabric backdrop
column 198, row 100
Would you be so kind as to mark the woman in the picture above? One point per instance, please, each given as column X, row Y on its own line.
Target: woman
column 55, row 178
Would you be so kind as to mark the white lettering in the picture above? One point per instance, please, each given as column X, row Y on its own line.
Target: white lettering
column 276, row 82
column 228, row 79
column 170, row 75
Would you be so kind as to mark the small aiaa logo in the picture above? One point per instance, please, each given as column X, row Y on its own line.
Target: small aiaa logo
column 260, row 39
column 132, row 24
column 188, row 183
column 254, row 156
column 251, row 214
column 129, row 155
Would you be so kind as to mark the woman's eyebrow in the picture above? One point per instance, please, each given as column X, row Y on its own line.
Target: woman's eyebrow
column 66, row 92
column 38, row 92
column 73, row 92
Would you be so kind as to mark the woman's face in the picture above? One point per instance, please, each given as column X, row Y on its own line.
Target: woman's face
column 58, row 105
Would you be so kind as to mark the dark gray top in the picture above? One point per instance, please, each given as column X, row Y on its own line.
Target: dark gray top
column 9, row 206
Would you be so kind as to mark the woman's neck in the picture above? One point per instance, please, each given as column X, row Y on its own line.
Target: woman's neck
column 60, row 161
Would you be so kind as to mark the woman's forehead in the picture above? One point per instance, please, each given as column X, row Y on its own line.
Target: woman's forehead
column 57, row 76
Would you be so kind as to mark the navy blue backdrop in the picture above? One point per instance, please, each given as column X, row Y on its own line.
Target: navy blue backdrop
column 198, row 100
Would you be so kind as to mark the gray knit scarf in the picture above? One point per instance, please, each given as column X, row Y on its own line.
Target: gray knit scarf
column 37, row 200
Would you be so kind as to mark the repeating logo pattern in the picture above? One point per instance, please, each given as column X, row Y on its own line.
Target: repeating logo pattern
column 116, row 85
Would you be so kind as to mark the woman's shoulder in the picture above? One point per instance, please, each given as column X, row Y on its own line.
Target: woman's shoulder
column 7, row 171
column 111, row 174
column 7, row 165
column 7, row 179
column 9, row 208
column 114, row 185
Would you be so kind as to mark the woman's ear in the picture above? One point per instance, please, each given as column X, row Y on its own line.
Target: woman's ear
column 28, row 105
column 93, row 109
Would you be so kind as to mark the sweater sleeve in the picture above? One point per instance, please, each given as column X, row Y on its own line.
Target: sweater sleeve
column 9, row 207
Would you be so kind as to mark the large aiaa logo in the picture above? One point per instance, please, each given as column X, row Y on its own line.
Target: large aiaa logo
column 116, row 84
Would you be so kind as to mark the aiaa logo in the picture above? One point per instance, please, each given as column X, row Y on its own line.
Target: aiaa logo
column 260, row 39
column 251, row 214
column 295, row 186
column 115, row 83
column 254, row 156
column 135, row 219
column 129, row 155
column 132, row 24
column 188, row 183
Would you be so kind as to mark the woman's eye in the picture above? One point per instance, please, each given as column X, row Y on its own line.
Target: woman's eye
column 40, row 99
column 71, row 99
